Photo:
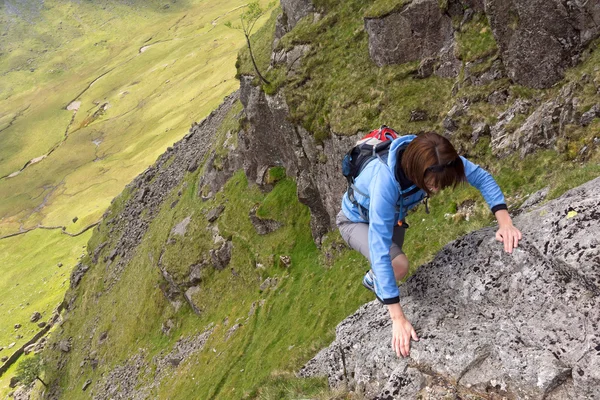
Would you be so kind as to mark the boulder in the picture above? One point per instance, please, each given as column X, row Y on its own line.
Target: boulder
column 215, row 213
column 520, row 325
column 221, row 256
column 78, row 273
column 181, row 228
column 65, row 345
column 418, row 31
column 263, row 226
column 35, row 317
column 540, row 39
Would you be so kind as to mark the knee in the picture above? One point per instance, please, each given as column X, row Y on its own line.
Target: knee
column 400, row 265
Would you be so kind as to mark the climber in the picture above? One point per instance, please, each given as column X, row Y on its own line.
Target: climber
column 372, row 219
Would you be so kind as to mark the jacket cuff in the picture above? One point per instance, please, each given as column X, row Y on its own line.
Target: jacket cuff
column 392, row 300
column 499, row 207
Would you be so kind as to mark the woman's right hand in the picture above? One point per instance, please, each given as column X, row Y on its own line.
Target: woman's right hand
column 402, row 332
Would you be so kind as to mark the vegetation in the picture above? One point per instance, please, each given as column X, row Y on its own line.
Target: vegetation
column 248, row 20
column 282, row 325
column 29, row 370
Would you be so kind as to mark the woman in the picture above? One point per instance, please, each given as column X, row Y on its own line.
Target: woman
column 372, row 217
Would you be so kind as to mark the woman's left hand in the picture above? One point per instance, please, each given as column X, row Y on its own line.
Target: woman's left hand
column 510, row 236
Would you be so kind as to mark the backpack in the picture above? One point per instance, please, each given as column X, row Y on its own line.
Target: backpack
column 373, row 146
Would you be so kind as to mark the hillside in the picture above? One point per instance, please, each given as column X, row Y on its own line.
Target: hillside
column 91, row 93
column 217, row 273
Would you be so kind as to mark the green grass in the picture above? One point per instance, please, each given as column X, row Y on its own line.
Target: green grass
column 32, row 281
column 153, row 97
column 297, row 318
column 339, row 89
column 475, row 39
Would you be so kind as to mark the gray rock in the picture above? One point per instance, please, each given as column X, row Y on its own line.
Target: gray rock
column 588, row 116
column 29, row 349
column 268, row 283
column 426, row 67
column 295, row 10
column 14, row 381
column 221, row 257
column 41, row 324
column 535, row 198
column 263, row 226
column 78, row 273
column 480, row 129
column 167, row 326
column 86, row 385
column 189, row 297
column 17, row 326
column 285, row 261
column 418, row 115
column 4, row 359
column 215, row 213
column 524, row 324
column 493, row 73
column 449, row 124
column 232, row 330
column 10, row 346
column 418, row 31
column 540, row 39
column 542, row 128
column 498, row 97
column 35, row 317
column 181, row 227
column 65, row 345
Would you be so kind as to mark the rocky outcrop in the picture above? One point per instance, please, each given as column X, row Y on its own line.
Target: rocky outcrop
column 542, row 128
column 293, row 11
column 539, row 39
column 418, row 31
column 270, row 139
column 491, row 325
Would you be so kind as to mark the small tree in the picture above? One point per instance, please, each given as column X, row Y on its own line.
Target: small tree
column 247, row 21
column 30, row 370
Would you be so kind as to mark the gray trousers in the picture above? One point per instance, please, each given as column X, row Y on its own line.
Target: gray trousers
column 356, row 234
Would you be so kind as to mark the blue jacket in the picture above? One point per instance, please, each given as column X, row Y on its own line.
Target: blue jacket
column 386, row 207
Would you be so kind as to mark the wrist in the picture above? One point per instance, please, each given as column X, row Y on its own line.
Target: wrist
column 396, row 313
column 503, row 218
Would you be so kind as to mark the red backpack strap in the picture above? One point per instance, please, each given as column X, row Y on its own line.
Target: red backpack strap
column 384, row 133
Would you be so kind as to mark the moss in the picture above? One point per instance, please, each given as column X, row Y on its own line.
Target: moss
column 275, row 174
column 475, row 39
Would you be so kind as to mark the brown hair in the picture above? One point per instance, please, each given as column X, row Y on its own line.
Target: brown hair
column 431, row 158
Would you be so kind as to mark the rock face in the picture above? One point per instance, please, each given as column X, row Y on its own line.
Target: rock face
column 539, row 39
column 293, row 11
column 524, row 325
column 418, row 31
column 542, row 128
column 295, row 149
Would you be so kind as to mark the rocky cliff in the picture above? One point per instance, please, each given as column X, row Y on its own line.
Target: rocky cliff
column 491, row 325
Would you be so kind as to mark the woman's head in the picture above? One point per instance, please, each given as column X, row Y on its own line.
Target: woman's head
column 431, row 162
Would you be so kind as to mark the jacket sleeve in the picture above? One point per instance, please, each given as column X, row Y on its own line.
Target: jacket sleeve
column 485, row 183
column 382, row 218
